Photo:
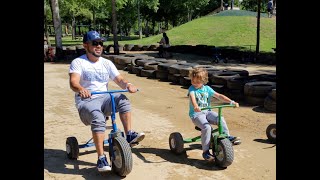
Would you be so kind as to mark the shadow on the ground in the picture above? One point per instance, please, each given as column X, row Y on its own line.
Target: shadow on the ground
column 169, row 156
column 262, row 110
column 56, row 162
column 265, row 141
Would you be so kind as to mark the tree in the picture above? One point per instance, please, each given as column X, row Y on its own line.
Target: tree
column 57, row 27
column 46, row 8
column 114, row 28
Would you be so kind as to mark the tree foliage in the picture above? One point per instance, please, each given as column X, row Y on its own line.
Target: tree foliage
column 252, row 5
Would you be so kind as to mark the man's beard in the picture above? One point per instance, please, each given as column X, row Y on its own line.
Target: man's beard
column 94, row 54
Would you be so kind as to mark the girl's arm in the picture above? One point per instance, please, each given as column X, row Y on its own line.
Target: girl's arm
column 225, row 99
column 194, row 103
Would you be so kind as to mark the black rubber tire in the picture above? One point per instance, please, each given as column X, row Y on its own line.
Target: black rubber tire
column 162, row 75
column 273, row 94
column 259, row 88
column 122, row 162
column 72, row 148
column 270, row 104
column 271, row 133
column 225, row 156
column 176, row 143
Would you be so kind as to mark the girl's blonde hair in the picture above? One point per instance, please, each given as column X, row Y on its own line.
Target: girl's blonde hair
column 199, row 73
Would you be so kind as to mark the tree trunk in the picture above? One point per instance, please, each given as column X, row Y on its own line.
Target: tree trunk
column 167, row 24
column 46, row 28
column 153, row 26
column 139, row 21
column 66, row 29
column 57, row 28
column 221, row 5
column 114, row 28
column 147, row 28
column 73, row 24
column 258, row 28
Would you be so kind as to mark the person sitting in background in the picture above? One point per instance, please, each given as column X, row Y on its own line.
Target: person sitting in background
column 164, row 45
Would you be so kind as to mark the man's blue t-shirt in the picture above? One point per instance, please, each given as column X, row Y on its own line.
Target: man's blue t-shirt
column 202, row 96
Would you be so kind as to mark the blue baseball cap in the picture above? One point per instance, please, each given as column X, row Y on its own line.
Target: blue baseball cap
column 92, row 35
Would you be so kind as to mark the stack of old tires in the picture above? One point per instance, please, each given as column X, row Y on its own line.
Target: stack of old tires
column 223, row 81
column 270, row 101
column 70, row 52
column 174, row 75
column 162, row 72
column 80, row 50
column 256, row 92
column 137, row 66
column 237, row 84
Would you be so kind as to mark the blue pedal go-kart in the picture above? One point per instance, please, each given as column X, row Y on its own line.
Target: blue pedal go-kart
column 220, row 145
column 119, row 149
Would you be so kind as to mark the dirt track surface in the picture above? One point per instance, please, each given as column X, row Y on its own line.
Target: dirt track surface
column 158, row 109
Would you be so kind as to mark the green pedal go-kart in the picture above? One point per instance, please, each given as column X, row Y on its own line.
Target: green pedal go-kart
column 220, row 145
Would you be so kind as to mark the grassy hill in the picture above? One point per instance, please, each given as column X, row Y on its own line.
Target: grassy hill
column 227, row 28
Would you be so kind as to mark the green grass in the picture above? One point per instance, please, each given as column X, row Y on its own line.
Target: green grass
column 228, row 28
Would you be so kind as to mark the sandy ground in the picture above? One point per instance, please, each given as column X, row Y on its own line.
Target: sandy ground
column 158, row 109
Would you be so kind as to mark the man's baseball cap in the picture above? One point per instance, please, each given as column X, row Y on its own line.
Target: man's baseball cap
column 92, row 35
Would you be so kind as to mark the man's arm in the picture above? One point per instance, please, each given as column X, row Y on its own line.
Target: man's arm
column 74, row 81
column 124, row 84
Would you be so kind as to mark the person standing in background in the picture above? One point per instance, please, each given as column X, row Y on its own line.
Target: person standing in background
column 269, row 8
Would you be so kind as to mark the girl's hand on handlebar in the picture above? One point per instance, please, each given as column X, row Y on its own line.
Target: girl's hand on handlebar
column 197, row 109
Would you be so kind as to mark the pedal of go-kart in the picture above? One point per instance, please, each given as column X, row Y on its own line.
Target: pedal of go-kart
column 134, row 144
column 197, row 128
column 237, row 142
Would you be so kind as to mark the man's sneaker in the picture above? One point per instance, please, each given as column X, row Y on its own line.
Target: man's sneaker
column 234, row 140
column 135, row 137
column 103, row 165
column 207, row 156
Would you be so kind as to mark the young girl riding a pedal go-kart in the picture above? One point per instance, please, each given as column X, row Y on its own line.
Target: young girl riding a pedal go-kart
column 200, row 95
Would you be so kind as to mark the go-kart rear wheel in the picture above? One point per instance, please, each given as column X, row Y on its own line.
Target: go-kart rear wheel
column 224, row 156
column 122, row 160
column 176, row 143
column 271, row 133
column 72, row 148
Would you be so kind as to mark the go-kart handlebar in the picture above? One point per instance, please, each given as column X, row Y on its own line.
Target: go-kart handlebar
column 219, row 106
column 111, row 91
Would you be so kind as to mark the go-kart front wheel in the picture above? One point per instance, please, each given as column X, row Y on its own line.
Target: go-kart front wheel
column 176, row 143
column 122, row 159
column 271, row 133
column 72, row 148
column 224, row 156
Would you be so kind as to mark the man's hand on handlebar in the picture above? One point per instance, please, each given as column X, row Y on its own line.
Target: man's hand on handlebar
column 84, row 93
column 132, row 89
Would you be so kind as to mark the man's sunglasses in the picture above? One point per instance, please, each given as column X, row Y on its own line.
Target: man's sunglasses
column 96, row 43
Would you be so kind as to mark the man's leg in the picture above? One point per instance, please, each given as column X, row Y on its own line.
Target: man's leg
column 124, row 108
column 126, row 121
column 98, row 138
column 132, row 136
column 90, row 114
